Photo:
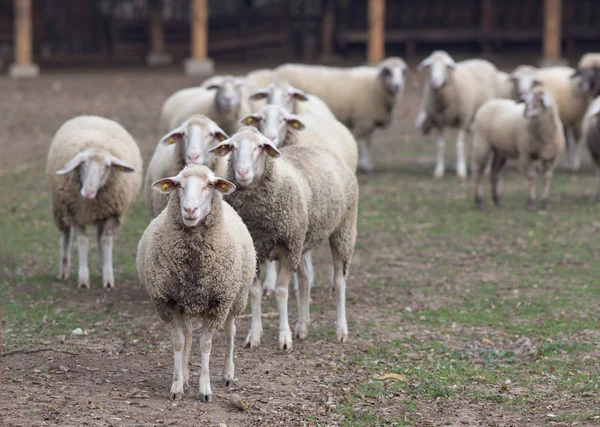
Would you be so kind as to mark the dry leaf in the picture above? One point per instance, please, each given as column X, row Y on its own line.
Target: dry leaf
column 398, row 377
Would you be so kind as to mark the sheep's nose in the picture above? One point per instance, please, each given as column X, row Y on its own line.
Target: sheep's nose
column 193, row 158
column 243, row 172
column 88, row 194
column 271, row 137
column 191, row 211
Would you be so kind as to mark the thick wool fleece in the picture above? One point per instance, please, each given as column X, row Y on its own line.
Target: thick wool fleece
column 79, row 134
column 304, row 197
column 203, row 271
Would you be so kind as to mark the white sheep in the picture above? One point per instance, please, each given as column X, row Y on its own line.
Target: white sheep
column 363, row 98
column 530, row 132
column 570, row 100
column 452, row 94
column 197, row 259
column 588, row 71
column 320, row 190
column 186, row 144
column 94, row 171
column 223, row 99
column 591, row 136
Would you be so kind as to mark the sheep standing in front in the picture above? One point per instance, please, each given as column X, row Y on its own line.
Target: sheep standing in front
column 591, row 136
column 452, row 94
column 197, row 259
column 94, row 170
column 570, row 100
column 362, row 98
column 186, row 144
column 530, row 132
column 223, row 99
column 291, row 200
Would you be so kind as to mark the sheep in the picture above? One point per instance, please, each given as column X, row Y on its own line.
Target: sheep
column 363, row 98
column 453, row 93
column 291, row 200
column 225, row 106
column 94, row 171
column 530, row 132
column 588, row 71
column 188, row 143
column 197, row 259
column 591, row 136
column 571, row 102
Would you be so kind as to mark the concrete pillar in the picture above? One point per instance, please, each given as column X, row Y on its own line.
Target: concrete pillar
column 23, row 67
column 376, row 34
column 157, row 54
column 199, row 63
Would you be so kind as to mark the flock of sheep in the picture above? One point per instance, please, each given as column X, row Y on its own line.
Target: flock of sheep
column 260, row 169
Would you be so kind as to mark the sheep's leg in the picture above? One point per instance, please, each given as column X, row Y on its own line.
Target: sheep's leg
column 531, row 178
column 548, row 171
column 310, row 271
column 205, row 347
column 365, row 163
column 342, row 246
column 229, row 370
column 567, row 155
column 285, row 333
column 440, row 166
column 178, row 340
column 83, row 246
column 340, row 296
column 270, row 278
column 576, row 158
column 461, row 162
column 331, row 278
column 99, row 230
column 497, row 165
column 303, row 297
column 65, row 253
column 106, row 250
column 256, row 330
column 187, row 349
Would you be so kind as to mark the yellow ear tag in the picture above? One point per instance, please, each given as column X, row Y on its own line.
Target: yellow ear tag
column 249, row 120
column 222, row 138
column 296, row 125
column 224, row 187
column 164, row 187
column 171, row 140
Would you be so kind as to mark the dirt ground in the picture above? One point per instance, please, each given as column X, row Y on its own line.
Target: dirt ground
column 120, row 374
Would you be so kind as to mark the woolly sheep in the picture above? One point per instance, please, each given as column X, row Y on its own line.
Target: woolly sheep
column 529, row 132
column 591, row 136
column 94, row 171
column 452, row 94
column 571, row 102
column 321, row 191
column 188, row 143
column 197, row 259
column 223, row 99
column 363, row 98
column 588, row 71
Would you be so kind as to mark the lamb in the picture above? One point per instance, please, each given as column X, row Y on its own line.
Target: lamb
column 320, row 190
column 529, row 132
column 186, row 144
column 197, row 259
column 94, row 171
column 453, row 93
column 588, row 71
column 571, row 102
column 225, row 106
column 363, row 98
column 591, row 136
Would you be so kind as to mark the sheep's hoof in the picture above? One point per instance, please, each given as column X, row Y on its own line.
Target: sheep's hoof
column 479, row 203
column 252, row 341
column 367, row 169
column 206, row 398
column 438, row 174
column 301, row 331
column 531, row 206
column 342, row 335
column 544, row 205
column 227, row 382
column 108, row 284
column 285, row 340
column 176, row 396
column 83, row 285
column 267, row 293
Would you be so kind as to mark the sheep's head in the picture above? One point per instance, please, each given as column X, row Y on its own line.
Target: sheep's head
column 280, row 93
column 589, row 78
column 229, row 92
column 249, row 150
column 94, row 166
column 536, row 101
column 274, row 122
column 195, row 186
column 439, row 64
column 524, row 80
column 194, row 138
column 392, row 74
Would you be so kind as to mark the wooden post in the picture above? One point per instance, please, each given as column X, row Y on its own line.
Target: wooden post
column 327, row 28
column 486, row 24
column 552, row 30
column 157, row 54
column 376, row 28
column 199, row 63
column 23, row 41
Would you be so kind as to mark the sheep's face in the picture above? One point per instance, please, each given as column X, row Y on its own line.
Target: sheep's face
column 195, row 186
column 194, row 138
column 229, row 92
column 524, row 80
column 95, row 167
column 589, row 79
column 273, row 122
column 536, row 102
column 282, row 94
column 249, row 150
column 392, row 74
column 440, row 65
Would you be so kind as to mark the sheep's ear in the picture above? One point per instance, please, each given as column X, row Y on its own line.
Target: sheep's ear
column 165, row 185
column 213, row 83
column 73, row 163
column 294, row 123
column 173, row 137
column 260, row 94
column 595, row 110
column 385, row 71
column 220, row 135
column 223, row 186
column 222, row 149
column 546, row 100
column 425, row 63
column 298, row 95
column 240, row 82
column 251, row 120
column 536, row 82
column 270, row 149
column 120, row 165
